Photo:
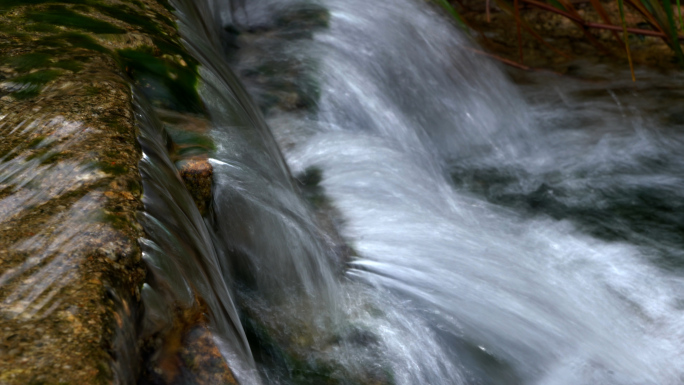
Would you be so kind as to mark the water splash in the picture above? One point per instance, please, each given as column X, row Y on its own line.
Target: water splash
column 514, row 298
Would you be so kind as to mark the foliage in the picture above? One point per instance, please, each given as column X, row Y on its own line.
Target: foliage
column 663, row 19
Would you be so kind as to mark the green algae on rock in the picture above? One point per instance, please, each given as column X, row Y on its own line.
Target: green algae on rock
column 68, row 18
column 70, row 265
column 60, row 256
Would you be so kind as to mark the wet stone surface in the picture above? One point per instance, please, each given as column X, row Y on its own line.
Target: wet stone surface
column 279, row 80
column 70, row 265
column 70, row 187
column 190, row 144
column 190, row 357
column 197, row 174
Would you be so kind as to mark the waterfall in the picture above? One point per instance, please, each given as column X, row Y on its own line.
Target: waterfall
column 390, row 208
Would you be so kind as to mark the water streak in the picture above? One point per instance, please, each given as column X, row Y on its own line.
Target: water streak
column 428, row 152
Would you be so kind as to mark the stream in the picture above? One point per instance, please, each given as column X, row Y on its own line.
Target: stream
column 390, row 208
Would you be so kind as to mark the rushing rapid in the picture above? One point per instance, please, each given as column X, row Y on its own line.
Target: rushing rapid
column 533, row 229
column 446, row 226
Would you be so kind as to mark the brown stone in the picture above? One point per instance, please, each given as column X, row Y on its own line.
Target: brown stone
column 197, row 175
column 70, row 266
column 190, row 356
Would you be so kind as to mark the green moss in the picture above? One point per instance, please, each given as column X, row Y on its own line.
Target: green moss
column 8, row 4
column 28, row 62
column 104, row 374
column 173, row 48
column 81, row 58
column 134, row 187
column 84, row 41
column 117, row 221
column 113, row 168
column 37, row 155
column 165, row 82
column 92, row 91
column 72, row 39
column 296, row 370
column 71, row 65
column 165, row 20
column 166, row 5
column 59, row 15
column 129, row 16
column 53, row 157
column 53, row 42
column 34, row 82
column 36, row 141
column 114, row 124
column 82, row 8
column 137, row 3
column 40, row 27
column 21, row 36
column 38, row 77
column 190, row 141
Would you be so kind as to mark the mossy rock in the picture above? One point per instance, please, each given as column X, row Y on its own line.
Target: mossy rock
column 71, row 266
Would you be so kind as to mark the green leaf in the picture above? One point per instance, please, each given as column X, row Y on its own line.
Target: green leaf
column 673, row 32
column 447, row 7
column 558, row 5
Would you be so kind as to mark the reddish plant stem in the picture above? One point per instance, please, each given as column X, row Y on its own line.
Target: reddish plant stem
column 606, row 18
column 516, row 7
column 509, row 62
column 635, row 31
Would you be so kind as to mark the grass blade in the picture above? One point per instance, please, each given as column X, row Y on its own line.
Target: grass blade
column 604, row 15
column 673, row 31
column 489, row 19
column 580, row 22
column 516, row 8
column 558, row 5
column 508, row 8
column 450, row 9
column 624, row 34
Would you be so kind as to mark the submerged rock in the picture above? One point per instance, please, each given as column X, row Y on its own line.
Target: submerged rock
column 197, row 174
column 193, row 358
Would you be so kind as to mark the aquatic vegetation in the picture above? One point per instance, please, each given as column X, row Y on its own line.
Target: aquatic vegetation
column 71, row 65
column 27, row 62
column 130, row 16
column 114, row 168
column 70, row 185
column 59, row 15
column 628, row 21
column 170, row 84
column 30, row 85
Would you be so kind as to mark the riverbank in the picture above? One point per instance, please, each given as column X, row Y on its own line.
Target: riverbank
column 560, row 42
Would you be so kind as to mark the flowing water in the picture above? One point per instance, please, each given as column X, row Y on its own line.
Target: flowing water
column 490, row 233
column 446, row 225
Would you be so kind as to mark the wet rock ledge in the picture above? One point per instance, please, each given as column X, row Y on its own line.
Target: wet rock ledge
column 70, row 265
